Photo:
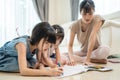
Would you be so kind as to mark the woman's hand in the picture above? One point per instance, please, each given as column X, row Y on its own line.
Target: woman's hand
column 88, row 63
column 71, row 60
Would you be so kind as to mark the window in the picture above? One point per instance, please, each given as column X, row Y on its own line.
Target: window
column 104, row 7
column 17, row 15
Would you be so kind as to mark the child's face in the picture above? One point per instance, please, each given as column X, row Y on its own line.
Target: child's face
column 87, row 17
column 43, row 45
column 58, row 41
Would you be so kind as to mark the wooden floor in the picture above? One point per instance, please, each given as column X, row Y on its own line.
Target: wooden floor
column 91, row 75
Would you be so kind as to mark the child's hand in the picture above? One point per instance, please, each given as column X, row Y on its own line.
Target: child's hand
column 54, row 66
column 36, row 66
column 60, row 68
column 55, row 71
column 41, row 66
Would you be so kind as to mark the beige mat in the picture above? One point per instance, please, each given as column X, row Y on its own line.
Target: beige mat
column 91, row 75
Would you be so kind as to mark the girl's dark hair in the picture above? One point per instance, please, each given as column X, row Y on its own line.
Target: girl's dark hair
column 43, row 30
column 87, row 6
column 59, row 31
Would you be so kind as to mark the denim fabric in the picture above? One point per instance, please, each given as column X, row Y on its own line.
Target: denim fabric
column 9, row 55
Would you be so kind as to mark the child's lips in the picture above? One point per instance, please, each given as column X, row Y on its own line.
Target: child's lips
column 45, row 49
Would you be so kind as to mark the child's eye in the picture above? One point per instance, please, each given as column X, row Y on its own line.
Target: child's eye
column 90, row 13
column 46, row 42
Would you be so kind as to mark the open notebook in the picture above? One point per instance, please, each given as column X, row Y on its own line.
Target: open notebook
column 72, row 70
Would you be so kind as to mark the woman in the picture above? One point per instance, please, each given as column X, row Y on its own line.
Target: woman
column 87, row 30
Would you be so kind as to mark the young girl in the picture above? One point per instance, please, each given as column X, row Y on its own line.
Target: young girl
column 59, row 36
column 54, row 58
column 17, row 55
column 87, row 30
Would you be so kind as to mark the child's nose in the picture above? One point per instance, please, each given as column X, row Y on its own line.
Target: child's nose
column 48, row 46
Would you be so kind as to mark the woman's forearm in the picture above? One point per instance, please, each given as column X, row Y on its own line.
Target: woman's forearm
column 70, row 51
column 92, row 39
column 90, row 47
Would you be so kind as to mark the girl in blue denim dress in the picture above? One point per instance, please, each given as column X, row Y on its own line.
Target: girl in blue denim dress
column 17, row 55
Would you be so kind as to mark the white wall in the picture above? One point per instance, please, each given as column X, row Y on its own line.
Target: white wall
column 59, row 11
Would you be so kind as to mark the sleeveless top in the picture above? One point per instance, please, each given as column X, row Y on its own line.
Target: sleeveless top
column 9, row 55
column 83, row 37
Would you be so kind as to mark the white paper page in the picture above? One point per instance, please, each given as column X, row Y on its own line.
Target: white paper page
column 72, row 70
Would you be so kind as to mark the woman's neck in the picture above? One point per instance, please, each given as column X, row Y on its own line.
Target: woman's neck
column 84, row 26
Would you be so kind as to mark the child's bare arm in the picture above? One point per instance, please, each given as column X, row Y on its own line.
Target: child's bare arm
column 24, row 70
column 58, row 57
column 47, row 61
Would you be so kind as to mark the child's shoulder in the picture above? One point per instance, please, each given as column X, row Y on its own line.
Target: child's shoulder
column 23, row 39
column 20, row 37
